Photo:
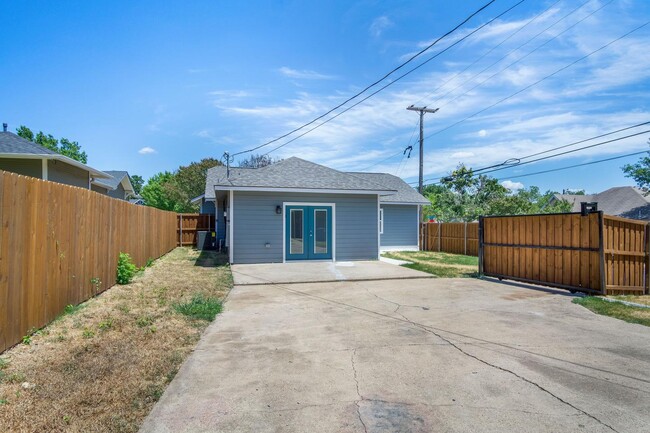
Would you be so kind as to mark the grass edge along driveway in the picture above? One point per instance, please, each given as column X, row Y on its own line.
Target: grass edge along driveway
column 106, row 362
column 444, row 265
column 627, row 313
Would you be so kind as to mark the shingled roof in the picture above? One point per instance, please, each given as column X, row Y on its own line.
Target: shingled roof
column 14, row 146
column 405, row 193
column 296, row 173
column 624, row 201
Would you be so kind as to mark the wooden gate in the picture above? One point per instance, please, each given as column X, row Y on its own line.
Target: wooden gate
column 594, row 253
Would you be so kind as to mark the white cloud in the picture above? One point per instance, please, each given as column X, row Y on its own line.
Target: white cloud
column 462, row 154
column 147, row 150
column 482, row 133
column 380, row 24
column 304, row 74
column 512, row 186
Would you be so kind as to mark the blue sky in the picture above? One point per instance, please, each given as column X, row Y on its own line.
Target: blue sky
column 147, row 86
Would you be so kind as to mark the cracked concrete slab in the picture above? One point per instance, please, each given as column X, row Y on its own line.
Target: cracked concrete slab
column 420, row 355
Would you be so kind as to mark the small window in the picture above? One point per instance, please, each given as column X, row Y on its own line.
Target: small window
column 381, row 221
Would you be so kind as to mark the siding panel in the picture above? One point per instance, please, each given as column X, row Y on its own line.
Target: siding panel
column 256, row 224
column 400, row 226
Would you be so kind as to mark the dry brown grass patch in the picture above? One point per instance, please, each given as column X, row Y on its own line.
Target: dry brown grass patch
column 102, row 367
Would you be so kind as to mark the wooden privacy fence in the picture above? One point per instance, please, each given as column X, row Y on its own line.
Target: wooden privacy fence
column 593, row 253
column 456, row 238
column 189, row 224
column 59, row 245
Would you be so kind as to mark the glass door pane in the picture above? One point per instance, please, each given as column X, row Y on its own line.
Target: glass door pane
column 297, row 235
column 320, row 231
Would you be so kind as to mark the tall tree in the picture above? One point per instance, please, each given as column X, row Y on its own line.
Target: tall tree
column 156, row 192
column 71, row 149
column 639, row 172
column 257, row 161
column 137, row 182
column 462, row 196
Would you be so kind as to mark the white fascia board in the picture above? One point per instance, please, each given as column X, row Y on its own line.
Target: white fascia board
column 198, row 198
column 401, row 203
column 305, row 190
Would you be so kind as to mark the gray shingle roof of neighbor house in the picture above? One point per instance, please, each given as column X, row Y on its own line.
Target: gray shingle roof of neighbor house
column 14, row 146
column 405, row 193
column 625, row 201
column 296, row 173
column 116, row 178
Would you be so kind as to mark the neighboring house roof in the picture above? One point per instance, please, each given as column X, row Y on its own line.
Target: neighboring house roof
column 14, row 146
column 625, row 201
column 296, row 173
column 117, row 177
column 406, row 194
column 138, row 200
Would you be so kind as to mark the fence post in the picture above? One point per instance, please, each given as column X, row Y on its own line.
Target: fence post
column 647, row 260
column 601, row 252
column 439, row 237
column 480, row 246
column 180, row 226
column 465, row 237
column 646, row 283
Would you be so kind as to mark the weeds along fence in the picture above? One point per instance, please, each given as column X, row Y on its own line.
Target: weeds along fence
column 593, row 253
column 455, row 238
column 59, row 245
column 191, row 223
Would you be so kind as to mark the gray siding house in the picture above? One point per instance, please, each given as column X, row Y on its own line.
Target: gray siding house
column 297, row 210
column 623, row 201
column 118, row 186
column 24, row 157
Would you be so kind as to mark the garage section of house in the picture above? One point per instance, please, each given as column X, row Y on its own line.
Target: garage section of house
column 296, row 210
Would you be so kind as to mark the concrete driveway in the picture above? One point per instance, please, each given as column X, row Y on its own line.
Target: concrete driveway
column 421, row 355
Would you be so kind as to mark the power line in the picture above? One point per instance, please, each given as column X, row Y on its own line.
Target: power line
column 396, row 79
column 521, row 58
column 372, row 84
column 486, row 54
column 483, row 170
column 539, row 81
column 575, row 165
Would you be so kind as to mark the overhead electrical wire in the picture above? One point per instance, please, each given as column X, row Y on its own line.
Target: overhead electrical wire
column 392, row 82
column 540, row 80
column 502, row 166
column 519, row 59
column 575, row 165
column 487, row 53
column 356, row 95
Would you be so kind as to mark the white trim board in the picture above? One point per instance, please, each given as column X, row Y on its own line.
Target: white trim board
column 284, row 226
column 400, row 248
column 231, row 221
column 307, row 190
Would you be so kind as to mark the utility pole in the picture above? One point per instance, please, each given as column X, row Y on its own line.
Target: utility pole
column 421, row 110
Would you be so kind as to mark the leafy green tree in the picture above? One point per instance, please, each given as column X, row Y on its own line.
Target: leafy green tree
column 462, row 196
column 190, row 179
column 137, row 182
column 257, row 161
column 71, row 149
column 156, row 192
column 639, row 172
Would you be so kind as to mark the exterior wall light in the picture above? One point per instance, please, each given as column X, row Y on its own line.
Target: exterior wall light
column 278, row 210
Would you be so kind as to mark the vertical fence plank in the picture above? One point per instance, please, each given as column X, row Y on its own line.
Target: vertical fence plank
column 55, row 238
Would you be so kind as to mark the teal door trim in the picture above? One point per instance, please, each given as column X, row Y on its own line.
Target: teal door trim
column 309, row 231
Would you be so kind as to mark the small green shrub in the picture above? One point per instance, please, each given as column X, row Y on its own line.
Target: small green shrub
column 27, row 340
column 149, row 262
column 200, row 307
column 126, row 269
column 88, row 333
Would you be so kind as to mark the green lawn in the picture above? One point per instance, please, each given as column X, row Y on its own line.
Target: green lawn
column 617, row 310
column 439, row 264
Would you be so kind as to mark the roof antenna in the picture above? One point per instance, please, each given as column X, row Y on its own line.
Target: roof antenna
column 227, row 159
